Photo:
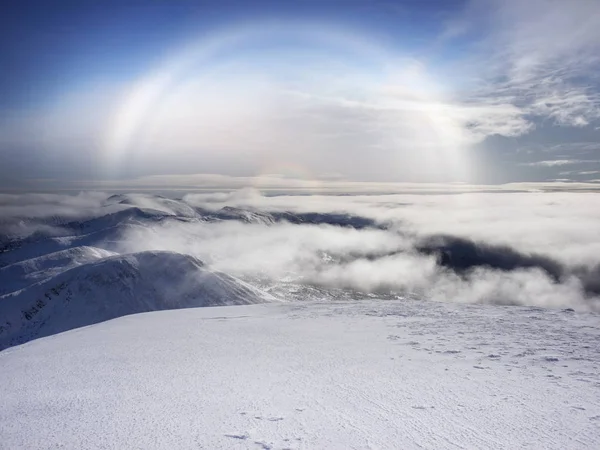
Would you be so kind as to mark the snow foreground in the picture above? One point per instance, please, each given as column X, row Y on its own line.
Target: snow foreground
column 336, row 375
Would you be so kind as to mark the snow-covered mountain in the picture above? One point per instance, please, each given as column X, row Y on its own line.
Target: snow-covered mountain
column 21, row 274
column 104, row 238
column 297, row 218
column 153, row 202
column 242, row 215
column 103, row 231
column 115, row 286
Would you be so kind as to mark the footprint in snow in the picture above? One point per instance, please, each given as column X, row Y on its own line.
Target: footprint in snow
column 270, row 419
column 237, row 436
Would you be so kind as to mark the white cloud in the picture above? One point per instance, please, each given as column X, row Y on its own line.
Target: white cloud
column 562, row 229
column 559, row 227
column 560, row 162
column 542, row 56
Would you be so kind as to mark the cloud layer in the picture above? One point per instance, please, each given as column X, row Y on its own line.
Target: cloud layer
column 535, row 249
column 538, row 249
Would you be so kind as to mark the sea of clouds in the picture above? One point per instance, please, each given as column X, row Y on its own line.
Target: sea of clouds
column 537, row 249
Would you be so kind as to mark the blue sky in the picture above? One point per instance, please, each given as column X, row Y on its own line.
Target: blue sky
column 485, row 91
column 49, row 45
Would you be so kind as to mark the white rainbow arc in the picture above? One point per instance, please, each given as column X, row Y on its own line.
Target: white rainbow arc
column 146, row 95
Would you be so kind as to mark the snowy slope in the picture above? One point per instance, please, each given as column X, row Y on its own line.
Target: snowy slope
column 243, row 215
column 336, row 375
column 139, row 216
column 99, row 231
column 22, row 274
column 113, row 287
column 154, row 202
column 106, row 238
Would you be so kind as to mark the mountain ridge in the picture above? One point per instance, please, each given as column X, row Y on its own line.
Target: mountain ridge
column 116, row 286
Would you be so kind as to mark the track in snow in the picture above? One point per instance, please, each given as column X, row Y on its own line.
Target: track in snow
column 369, row 374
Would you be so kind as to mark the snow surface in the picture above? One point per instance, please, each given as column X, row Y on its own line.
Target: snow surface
column 336, row 375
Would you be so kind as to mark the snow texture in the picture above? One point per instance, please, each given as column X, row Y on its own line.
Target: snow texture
column 337, row 375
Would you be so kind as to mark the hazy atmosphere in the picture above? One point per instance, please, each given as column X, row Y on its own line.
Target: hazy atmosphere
column 477, row 91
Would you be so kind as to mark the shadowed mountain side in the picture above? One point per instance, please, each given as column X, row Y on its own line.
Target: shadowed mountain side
column 460, row 255
column 104, row 238
column 25, row 273
column 97, row 232
column 114, row 287
column 308, row 218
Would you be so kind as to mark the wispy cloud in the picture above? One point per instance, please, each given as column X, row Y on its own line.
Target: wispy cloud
column 561, row 162
column 542, row 57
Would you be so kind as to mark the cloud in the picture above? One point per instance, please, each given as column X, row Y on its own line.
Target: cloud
column 560, row 162
column 533, row 249
column 505, row 248
column 23, row 215
column 37, row 205
column 512, row 219
column 542, row 57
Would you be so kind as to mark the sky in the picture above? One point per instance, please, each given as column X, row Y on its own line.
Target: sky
column 468, row 91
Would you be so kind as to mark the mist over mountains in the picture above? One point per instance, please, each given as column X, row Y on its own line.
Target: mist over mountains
column 68, row 261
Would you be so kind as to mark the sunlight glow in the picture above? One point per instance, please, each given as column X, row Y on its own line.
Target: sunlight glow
column 320, row 96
